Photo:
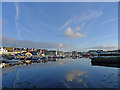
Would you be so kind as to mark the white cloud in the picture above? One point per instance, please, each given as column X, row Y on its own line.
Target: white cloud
column 109, row 21
column 31, row 44
column 61, row 45
column 16, row 20
column 82, row 18
column 82, row 25
column 89, row 15
column 105, row 47
column 71, row 34
column 80, row 21
column 68, row 22
column 78, row 28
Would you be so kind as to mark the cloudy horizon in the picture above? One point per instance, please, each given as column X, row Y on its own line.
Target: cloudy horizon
column 10, row 42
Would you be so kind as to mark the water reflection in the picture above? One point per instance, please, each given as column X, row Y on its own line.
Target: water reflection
column 62, row 73
column 73, row 74
column 53, row 59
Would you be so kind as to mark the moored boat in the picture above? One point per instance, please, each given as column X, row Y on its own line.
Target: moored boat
column 2, row 65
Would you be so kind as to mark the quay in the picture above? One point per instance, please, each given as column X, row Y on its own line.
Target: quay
column 115, row 65
column 105, row 59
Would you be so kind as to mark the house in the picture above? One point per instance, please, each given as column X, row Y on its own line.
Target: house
column 19, row 50
column 44, row 51
column 60, row 53
column 9, row 49
column 3, row 51
column 80, row 54
column 34, row 53
column 52, row 53
column 74, row 53
column 32, row 49
column 39, row 51
column 68, row 54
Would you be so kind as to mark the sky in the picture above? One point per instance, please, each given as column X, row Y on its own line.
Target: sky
column 66, row 26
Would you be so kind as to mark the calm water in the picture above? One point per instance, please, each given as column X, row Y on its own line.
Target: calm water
column 63, row 73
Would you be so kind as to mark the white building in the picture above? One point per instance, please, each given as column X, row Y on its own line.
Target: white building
column 3, row 51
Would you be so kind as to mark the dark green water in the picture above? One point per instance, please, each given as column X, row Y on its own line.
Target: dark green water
column 63, row 73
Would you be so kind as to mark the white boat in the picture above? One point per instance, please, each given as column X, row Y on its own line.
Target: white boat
column 2, row 65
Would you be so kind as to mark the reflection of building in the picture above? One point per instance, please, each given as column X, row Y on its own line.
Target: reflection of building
column 3, row 51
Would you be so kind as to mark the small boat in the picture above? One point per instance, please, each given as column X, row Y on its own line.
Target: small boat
column 2, row 65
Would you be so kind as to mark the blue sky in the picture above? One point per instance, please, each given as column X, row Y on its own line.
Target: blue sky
column 72, row 26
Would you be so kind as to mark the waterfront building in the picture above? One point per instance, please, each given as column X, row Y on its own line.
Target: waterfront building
column 27, row 50
column 74, row 53
column 9, row 49
column 19, row 50
column 44, row 51
column 68, row 54
column 52, row 53
column 34, row 53
column 86, row 54
column 39, row 51
column 80, row 54
column 32, row 49
column 3, row 51
column 60, row 53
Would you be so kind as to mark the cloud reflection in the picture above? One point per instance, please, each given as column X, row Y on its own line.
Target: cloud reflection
column 71, row 75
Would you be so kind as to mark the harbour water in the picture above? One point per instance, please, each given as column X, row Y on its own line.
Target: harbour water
column 62, row 73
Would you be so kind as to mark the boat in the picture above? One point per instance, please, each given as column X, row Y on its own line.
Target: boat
column 2, row 65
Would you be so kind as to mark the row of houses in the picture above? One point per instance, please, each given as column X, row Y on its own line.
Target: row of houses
column 45, row 52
